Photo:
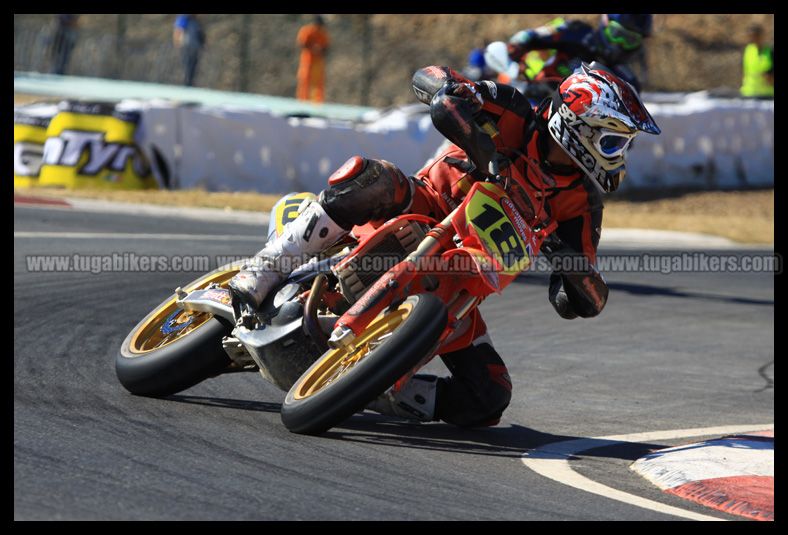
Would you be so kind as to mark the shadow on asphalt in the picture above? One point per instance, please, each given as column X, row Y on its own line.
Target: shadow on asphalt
column 651, row 290
column 646, row 289
column 378, row 430
column 511, row 441
column 259, row 406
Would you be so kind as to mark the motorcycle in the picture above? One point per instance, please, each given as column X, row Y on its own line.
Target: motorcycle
column 356, row 320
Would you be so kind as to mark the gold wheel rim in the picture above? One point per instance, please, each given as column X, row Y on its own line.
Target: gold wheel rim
column 170, row 323
column 337, row 362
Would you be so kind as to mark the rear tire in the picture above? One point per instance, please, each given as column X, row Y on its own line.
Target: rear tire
column 313, row 410
column 176, row 366
column 190, row 358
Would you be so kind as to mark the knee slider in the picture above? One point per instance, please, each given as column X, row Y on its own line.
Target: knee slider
column 365, row 189
column 348, row 171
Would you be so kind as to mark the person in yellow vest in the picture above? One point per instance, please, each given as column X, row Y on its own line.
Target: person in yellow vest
column 313, row 41
column 758, row 66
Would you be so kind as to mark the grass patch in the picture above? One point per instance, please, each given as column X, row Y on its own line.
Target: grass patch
column 742, row 216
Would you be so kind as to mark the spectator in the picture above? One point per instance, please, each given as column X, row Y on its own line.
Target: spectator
column 63, row 43
column 313, row 41
column 189, row 36
column 758, row 66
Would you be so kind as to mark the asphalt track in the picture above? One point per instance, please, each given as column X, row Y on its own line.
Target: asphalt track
column 669, row 352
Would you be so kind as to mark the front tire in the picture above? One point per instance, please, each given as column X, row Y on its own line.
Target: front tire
column 341, row 382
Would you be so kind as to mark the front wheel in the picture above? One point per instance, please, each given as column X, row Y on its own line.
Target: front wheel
column 343, row 382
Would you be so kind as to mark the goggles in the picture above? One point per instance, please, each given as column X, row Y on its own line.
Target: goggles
column 612, row 144
column 621, row 36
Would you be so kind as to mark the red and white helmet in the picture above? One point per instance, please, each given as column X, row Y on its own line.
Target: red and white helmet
column 594, row 116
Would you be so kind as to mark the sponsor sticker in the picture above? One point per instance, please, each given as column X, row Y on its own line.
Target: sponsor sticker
column 218, row 295
column 514, row 215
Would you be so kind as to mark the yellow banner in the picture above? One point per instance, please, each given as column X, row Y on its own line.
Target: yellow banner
column 30, row 133
column 91, row 145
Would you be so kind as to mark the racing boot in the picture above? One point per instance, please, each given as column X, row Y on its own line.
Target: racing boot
column 307, row 235
column 414, row 401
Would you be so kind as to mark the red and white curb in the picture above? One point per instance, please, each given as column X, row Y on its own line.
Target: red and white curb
column 553, row 462
column 733, row 474
column 44, row 201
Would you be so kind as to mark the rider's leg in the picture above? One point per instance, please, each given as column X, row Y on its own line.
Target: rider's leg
column 308, row 234
column 474, row 395
column 479, row 389
column 361, row 190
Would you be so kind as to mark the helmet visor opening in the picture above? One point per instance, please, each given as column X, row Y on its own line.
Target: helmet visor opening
column 623, row 37
column 613, row 144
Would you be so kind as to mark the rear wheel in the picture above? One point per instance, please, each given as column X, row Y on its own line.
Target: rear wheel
column 171, row 349
column 343, row 382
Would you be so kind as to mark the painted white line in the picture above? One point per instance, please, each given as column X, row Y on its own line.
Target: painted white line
column 136, row 236
column 663, row 239
column 552, row 461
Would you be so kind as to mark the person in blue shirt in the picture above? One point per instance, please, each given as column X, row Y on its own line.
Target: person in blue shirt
column 189, row 37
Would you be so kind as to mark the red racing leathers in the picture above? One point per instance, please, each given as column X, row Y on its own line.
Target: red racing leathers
column 479, row 388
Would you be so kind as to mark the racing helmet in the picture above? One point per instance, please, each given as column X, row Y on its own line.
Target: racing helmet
column 594, row 116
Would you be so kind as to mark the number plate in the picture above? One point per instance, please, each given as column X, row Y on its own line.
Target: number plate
column 497, row 233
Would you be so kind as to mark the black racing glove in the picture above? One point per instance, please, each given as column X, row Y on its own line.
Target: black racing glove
column 576, row 287
column 552, row 248
column 558, row 298
column 453, row 110
column 466, row 91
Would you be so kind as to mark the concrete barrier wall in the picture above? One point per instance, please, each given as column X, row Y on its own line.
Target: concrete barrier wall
column 239, row 150
column 706, row 142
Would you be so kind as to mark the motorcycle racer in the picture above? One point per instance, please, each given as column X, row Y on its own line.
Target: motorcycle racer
column 616, row 42
column 579, row 137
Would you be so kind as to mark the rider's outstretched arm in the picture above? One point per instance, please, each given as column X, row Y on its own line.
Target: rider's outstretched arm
column 576, row 287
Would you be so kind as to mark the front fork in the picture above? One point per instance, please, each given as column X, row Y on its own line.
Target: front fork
column 402, row 280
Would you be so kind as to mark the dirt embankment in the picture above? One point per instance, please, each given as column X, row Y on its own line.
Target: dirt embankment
column 686, row 53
